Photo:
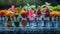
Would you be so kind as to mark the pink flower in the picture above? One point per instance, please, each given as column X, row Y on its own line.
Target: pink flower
column 31, row 14
column 47, row 12
column 13, row 9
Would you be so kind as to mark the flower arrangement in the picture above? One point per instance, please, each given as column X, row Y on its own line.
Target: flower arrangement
column 55, row 13
column 52, row 11
column 24, row 14
column 47, row 12
column 9, row 14
column 3, row 13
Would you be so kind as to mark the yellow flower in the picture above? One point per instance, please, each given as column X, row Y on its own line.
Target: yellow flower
column 9, row 14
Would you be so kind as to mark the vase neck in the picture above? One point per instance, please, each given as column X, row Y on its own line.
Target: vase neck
column 23, row 18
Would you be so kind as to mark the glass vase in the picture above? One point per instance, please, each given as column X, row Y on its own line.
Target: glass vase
column 16, row 22
column 46, row 22
column 24, row 22
column 53, row 21
column 9, row 22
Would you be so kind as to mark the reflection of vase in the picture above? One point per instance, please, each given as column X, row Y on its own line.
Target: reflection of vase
column 23, row 22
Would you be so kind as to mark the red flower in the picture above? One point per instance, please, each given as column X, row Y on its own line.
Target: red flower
column 2, row 13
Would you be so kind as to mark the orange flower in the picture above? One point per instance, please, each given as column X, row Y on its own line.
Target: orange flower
column 59, row 14
column 9, row 14
column 2, row 12
column 54, row 13
column 24, row 13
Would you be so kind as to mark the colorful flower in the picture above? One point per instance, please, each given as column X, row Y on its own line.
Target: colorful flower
column 54, row 13
column 47, row 12
column 24, row 13
column 9, row 14
column 3, row 13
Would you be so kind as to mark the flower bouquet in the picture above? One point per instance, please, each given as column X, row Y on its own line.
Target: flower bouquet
column 2, row 16
column 24, row 15
column 14, row 12
column 46, row 16
column 38, row 15
column 31, row 16
column 55, row 15
column 16, row 22
column 10, row 15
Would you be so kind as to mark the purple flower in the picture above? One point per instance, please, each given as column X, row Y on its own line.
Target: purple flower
column 47, row 12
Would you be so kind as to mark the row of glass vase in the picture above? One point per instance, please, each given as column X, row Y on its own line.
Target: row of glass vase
column 24, row 22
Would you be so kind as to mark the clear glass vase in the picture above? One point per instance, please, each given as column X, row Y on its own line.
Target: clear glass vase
column 58, row 22
column 5, row 21
column 1, row 21
column 16, row 22
column 9, row 24
column 31, row 22
column 27, row 22
column 39, row 21
column 53, row 21
column 24, row 23
column 12, row 21
column 46, row 22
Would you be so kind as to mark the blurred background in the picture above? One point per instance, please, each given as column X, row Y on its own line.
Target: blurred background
column 5, row 4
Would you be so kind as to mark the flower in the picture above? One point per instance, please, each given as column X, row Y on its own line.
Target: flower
column 9, row 14
column 2, row 13
column 59, row 14
column 54, row 13
column 38, row 13
column 13, row 9
column 24, row 13
column 47, row 12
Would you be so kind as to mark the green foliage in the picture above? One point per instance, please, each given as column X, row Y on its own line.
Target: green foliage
column 19, row 2
column 57, row 8
column 28, row 6
column 3, row 2
column 19, row 10
column 52, row 8
column 9, row 2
